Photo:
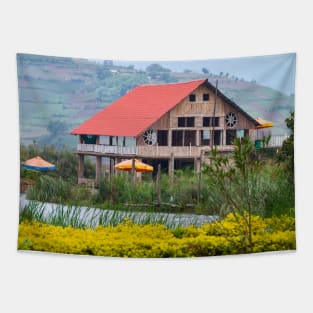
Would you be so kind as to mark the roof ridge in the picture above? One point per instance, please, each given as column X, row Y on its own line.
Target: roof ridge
column 173, row 83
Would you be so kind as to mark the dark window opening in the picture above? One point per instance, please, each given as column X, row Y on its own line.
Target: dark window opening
column 217, row 138
column 206, row 97
column 206, row 121
column 186, row 122
column 230, row 136
column 192, row 98
column 190, row 122
column 190, row 138
column 162, row 137
column 211, row 121
column 183, row 138
column 177, row 137
column 89, row 139
column 181, row 122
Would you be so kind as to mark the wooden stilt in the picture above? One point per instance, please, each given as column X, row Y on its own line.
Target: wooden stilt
column 159, row 184
column 98, row 169
column 200, row 176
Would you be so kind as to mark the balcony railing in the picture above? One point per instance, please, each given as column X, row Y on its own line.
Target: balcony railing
column 164, row 151
column 106, row 149
column 149, row 151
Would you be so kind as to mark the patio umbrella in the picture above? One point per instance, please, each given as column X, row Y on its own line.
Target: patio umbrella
column 139, row 166
column 263, row 123
column 37, row 163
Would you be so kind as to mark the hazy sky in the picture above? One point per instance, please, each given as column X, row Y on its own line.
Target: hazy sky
column 275, row 71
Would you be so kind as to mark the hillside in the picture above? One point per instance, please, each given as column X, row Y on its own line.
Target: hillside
column 56, row 94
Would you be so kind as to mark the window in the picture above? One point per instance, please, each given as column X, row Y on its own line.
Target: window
column 162, row 137
column 177, row 137
column 192, row 98
column 230, row 136
column 181, row 122
column 206, row 97
column 206, row 121
column 186, row 122
column 189, row 137
column 183, row 138
column 218, row 138
column 211, row 121
column 240, row 133
column 113, row 141
column 190, row 122
column 121, row 141
column 205, row 137
column 89, row 139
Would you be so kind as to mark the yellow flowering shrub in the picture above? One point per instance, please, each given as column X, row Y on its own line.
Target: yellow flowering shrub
column 155, row 241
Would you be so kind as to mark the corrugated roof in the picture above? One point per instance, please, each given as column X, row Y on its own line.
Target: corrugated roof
column 131, row 114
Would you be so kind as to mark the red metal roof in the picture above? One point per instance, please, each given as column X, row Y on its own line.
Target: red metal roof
column 133, row 113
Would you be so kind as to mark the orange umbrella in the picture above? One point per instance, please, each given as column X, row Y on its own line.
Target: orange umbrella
column 139, row 166
column 37, row 163
column 263, row 123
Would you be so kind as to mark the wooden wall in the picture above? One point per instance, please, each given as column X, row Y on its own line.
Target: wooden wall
column 199, row 109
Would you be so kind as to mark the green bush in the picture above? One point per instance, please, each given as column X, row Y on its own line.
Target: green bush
column 50, row 189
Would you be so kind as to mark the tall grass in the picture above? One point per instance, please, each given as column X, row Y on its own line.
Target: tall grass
column 49, row 189
column 83, row 217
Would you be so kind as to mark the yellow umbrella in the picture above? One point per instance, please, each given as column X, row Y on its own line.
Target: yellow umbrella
column 139, row 166
column 263, row 123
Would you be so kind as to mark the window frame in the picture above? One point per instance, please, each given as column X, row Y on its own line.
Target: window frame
column 192, row 97
column 206, row 95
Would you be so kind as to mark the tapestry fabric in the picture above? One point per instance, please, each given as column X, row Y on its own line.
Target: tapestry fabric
column 156, row 159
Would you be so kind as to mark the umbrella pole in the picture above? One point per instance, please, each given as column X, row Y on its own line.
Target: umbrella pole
column 133, row 171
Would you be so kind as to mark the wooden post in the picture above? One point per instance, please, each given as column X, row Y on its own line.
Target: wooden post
column 98, row 169
column 197, row 162
column 159, row 184
column 213, row 118
column 112, row 169
column 200, row 176
column 171, row 167
column 133, row 171
column 169, row 138
column 80, row 166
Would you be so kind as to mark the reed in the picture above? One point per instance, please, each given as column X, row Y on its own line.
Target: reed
column 84, row 217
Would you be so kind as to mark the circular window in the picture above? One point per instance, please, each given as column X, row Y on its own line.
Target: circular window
column 231, row 120
column 149, row 137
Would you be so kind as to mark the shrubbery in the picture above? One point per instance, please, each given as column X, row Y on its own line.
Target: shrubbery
column 130, row 240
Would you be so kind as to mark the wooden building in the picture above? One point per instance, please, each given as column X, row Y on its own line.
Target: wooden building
column 169, row 123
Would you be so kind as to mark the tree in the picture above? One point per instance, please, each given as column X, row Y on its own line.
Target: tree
column 205, row 70
column 57, row 127
column 237, row 183
column 156, row 71
column 286, row 153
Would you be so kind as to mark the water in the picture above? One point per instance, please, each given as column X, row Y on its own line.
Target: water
column 93, row 216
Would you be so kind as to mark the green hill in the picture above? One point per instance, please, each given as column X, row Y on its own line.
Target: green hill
column 66, row 91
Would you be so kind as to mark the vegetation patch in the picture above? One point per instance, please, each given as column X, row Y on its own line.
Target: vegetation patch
column 158, row 241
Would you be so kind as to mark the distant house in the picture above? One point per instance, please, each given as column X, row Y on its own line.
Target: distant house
column 169, row 123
